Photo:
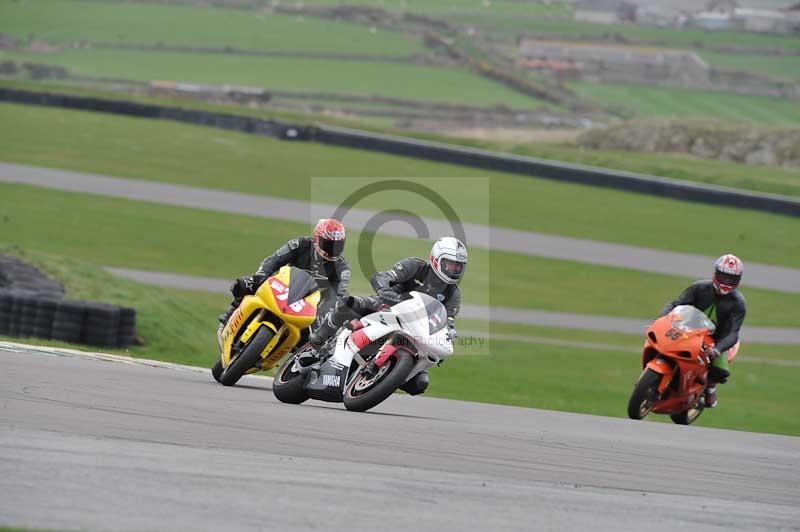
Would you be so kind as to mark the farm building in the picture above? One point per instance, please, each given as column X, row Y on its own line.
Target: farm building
column 616, row 63
column 604, row 11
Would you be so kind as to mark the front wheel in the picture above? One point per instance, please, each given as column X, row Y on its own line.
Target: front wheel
column 364, row 392
column 644, row 395
column 247, row 358
column 217, row 370
column 688, row 417
column 287, row 386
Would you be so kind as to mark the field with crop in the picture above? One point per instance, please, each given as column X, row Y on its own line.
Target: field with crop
column 400, row 80
column 652, row 102
column 66, row 21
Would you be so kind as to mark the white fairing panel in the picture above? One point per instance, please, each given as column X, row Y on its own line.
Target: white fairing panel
column 421, row 319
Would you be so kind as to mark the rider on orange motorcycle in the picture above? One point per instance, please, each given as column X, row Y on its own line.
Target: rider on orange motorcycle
column 720, row 300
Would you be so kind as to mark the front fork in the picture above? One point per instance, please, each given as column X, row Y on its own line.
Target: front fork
column 663, row 368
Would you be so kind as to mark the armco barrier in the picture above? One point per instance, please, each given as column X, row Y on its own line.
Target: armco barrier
column 435, row 151
column 245, row 124
column 558, row 171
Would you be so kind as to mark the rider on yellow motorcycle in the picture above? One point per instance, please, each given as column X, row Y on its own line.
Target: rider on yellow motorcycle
column 320, row 255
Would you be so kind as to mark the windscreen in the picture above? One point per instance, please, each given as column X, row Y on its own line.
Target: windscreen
column 437, row 315
column 687, row 318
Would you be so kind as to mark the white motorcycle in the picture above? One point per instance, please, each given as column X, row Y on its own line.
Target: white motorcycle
column 372, row 358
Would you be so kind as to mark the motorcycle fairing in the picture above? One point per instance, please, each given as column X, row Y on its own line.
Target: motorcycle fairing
column 273, row 296
column 327, row 383
column 410, row 319
column 673, row 349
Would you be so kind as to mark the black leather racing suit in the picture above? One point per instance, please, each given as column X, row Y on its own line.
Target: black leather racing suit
column 416, row 274
column 406, row 275
column 333, row 277
column 726, row 311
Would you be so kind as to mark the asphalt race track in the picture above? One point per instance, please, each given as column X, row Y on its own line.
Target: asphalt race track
column 98, row 445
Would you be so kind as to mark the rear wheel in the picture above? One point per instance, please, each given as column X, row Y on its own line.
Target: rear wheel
column 644, row 395
column 247, row 358
column 364, row 392
column 287, row 386
column 688, row 417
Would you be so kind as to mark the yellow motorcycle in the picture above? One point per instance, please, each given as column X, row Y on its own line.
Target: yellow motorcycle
column 266, row 325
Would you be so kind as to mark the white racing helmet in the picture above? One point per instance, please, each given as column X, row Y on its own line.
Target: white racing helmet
column 449, row 259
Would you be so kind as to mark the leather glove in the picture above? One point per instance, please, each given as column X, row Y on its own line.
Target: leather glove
column 712, row 353
column 258, row 279
column 452, row 333
column 241, row 287
column 389, row 296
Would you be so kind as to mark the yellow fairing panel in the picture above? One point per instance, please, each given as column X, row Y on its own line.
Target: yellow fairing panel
column 272, row 295
column 274, row 291
column 249, row 305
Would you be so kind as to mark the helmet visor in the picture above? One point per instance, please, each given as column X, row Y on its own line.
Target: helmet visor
column 728, row 279
column 332, row 249
column 452, row 268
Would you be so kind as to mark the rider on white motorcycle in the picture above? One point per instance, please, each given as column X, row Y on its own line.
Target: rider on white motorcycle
column 437, row 277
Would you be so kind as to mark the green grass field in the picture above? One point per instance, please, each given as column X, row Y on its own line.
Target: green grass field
column 774, row 66
column 769, row 179
column 198, row 156
column 652, row 102
column 175, row 325
column 399, row 80
column 679, row 38
column 109, row 232
column 759, row 178
column 119, row 22
column 179, row 327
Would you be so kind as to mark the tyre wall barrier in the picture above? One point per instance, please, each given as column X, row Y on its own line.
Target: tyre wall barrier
column 27, row 314
column 32, row 305
column 436, row 151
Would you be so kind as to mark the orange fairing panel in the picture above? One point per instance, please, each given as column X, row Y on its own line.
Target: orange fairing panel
column 665, row 369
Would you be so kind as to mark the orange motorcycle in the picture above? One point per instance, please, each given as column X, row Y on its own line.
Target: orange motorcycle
column 675, row 362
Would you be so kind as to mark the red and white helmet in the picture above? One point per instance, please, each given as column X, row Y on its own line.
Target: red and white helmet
column 329, row 238
column 727, row 274
column 449, row 259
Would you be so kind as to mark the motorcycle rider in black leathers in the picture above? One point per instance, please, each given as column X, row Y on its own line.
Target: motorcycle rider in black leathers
column 437, row 277
column 320, row 255
column 720, row 300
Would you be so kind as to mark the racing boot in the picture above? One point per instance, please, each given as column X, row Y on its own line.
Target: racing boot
column 311, row 354
column 417, row 384
column 711, row 395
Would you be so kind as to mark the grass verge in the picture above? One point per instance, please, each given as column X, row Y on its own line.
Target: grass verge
column 176, row 325
column 198, row 156
column 124, row 233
